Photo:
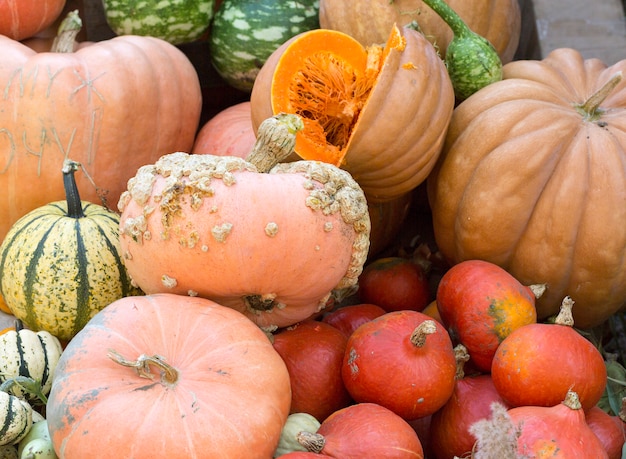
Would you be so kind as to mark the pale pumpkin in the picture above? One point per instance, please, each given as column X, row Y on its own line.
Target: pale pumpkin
column 110, row 106
column 499, row 21
column 274, row 245
column 168, row 376
column 380, row 113
column 532, row 178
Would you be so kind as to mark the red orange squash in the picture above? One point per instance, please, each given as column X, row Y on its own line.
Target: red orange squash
column 20, row 19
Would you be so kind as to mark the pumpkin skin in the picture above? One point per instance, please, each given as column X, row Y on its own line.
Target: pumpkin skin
column 228, row 133
column 384, row 365
column 230, row 399
column 313, row 353
column 542, row 193
column 538, row 363
column 408, row 74
column 609, row 429
column 213, row 235
column 83, row 111
column 369, row 22
column 348, row 318
column 20, row 19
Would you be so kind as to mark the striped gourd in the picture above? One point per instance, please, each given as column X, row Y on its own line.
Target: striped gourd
column 244, row 33
column 16, row 418
column 61, row 263
column 29, row 354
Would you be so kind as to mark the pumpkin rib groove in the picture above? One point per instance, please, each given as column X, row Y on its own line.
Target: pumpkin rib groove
column 46, row 373
column 83, row 288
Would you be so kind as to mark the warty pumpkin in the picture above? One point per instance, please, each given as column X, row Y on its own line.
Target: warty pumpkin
column 168, row 376
column 532, row 179
column 271, row 242
column 499, row 21
column 108, row 106
column 380, row 112
column 61, row 263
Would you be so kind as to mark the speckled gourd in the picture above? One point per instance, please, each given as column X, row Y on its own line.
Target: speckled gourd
column 273, row 241
column 16, row 418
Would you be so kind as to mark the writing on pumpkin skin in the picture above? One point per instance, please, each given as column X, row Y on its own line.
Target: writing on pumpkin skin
column 37, row 139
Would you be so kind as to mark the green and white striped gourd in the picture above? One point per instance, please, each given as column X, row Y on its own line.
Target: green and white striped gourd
column 61, row 263
column 175, row 21
column 16, row 418
column 245, row 32
column 29, row 354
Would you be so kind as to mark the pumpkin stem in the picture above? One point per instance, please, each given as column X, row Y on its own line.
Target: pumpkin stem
column 572, row 400
column 28, row 385
column 565, row 316
column 74, row 205
column 418, row 337
column 461, row 356
column 276, row 139
column 538, row 290
column 65, row 41
column 313, row 442
column 169, row 374
column 590, row 109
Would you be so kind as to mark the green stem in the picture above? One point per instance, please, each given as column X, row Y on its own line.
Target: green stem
column 590, row 109
column 28, row 385
column 65, row 41
column 450, row 17
column 74, row 205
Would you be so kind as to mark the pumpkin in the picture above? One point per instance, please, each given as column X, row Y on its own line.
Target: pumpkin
column 609, row 429
column 29, row 354
column 16, row 418
column 205, row 368
column 228, row 133
column 481, row 304
column 61, row 263
column 364, row 430
column 537, row 363
column 349, row 97
column 79, row 105
column 313, row 353
column 233, row 228
column 25, row 18
column 497, row 20
column 403, row 361
column 532, row 179
column 348, row 318
column 295, row 423
column 37, row 442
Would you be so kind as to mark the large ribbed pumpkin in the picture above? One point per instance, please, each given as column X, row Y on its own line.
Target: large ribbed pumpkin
column 168, row 376
column 497, row 20
column 380, row 113
column 61, row 263
column 533, row 178
column 110, row 106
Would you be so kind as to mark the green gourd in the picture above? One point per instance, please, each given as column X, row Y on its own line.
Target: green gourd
column 471, row 60
column 296, row 423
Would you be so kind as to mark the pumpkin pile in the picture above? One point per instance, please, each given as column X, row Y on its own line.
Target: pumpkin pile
column 401, row 242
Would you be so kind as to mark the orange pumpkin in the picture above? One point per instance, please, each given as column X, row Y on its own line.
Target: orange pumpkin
column 172, row 376
column 532, row 179
column 273, row 245
column 499, row 21
column 380, row 113
column 20, row 19
column 103, row 105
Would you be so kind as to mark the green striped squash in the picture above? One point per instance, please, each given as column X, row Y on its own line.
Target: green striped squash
column 28, row 354
column 16, row 418
column 244, row 33
column 61, row 263
column 175, row 21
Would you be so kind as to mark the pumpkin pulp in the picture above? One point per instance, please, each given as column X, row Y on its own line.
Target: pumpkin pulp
column 326, row 76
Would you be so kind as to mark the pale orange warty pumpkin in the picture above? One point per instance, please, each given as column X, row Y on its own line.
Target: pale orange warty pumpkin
column 111, row 106
column 533, row 178
column 168, row 376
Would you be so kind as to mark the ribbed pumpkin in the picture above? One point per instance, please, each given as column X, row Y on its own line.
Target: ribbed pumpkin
column 25, row 18
column 60, row 263
column 380, row 113
column 532, row 179
column 497, row 20
column 271, row 242
column 109, row 106
column 30, row 354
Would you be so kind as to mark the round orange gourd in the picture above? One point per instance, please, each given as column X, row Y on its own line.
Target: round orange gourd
column 107, row 106
column 380, row 113
column 273, row 245
column 20, row 19
column 173, row 376
column 497, row 20
column 532, row 179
